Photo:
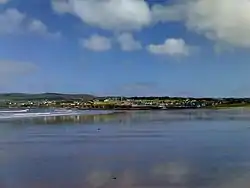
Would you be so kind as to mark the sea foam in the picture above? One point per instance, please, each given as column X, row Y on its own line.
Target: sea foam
column 27, row 113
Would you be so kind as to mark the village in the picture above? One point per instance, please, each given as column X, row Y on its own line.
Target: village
column 133, row 103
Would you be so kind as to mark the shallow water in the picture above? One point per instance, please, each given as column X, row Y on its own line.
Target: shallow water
column 151, row 149
column 10, row 114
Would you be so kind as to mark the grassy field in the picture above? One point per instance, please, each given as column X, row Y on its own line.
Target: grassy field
column 42, row 96
column 225, row 106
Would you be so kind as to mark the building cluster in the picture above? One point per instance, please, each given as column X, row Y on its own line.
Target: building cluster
column 126, row 103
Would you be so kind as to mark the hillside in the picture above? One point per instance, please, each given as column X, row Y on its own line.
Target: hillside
column 42, row 96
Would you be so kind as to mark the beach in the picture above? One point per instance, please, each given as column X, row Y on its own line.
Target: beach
column 184, row 148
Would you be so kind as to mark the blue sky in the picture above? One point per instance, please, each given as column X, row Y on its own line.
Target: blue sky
column 126, row 47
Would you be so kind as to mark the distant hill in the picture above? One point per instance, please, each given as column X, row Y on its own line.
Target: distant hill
column 49, row 96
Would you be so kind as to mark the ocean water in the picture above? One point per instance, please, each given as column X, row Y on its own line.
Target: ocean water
column 144, row 149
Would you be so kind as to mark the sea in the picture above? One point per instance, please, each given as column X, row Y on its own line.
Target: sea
column 58, row 148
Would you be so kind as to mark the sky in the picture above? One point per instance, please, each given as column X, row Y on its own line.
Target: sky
column 197, row 48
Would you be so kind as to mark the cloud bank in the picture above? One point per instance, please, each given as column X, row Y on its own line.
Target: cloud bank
column 14, row 22
column 107, row 14
column 223, row 21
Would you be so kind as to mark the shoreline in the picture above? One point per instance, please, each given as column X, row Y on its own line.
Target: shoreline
column 149, row 108
column 28, row 115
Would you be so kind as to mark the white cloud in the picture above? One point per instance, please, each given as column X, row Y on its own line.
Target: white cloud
column 38, row 27
column 224, row 21
column 11, row 21
column 171, row 47
column 62, row 6
column 14, row 22
column 108, row 14
column 128, row 43
column 4, row 1
column 11, row 70
column 97, row 43
column 161, row 13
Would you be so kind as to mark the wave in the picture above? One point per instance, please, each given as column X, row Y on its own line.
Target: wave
column 33, row 115
column 57, row 112
column 14, row 111
column 62, row 110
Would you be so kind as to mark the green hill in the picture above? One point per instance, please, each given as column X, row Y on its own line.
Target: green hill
column 43, row 96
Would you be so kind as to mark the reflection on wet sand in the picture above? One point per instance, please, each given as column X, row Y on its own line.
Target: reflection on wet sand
column 167, row 175
column 190, row 152
column 76, row 119
column 102, row 179
column 162, row 175
column 173, row 172
column 242, row 181
column 134, row 117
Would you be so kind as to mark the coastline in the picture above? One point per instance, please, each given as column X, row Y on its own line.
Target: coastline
column 44, row 114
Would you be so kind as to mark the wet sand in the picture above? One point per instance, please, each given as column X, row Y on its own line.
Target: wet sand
column 184, row 149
